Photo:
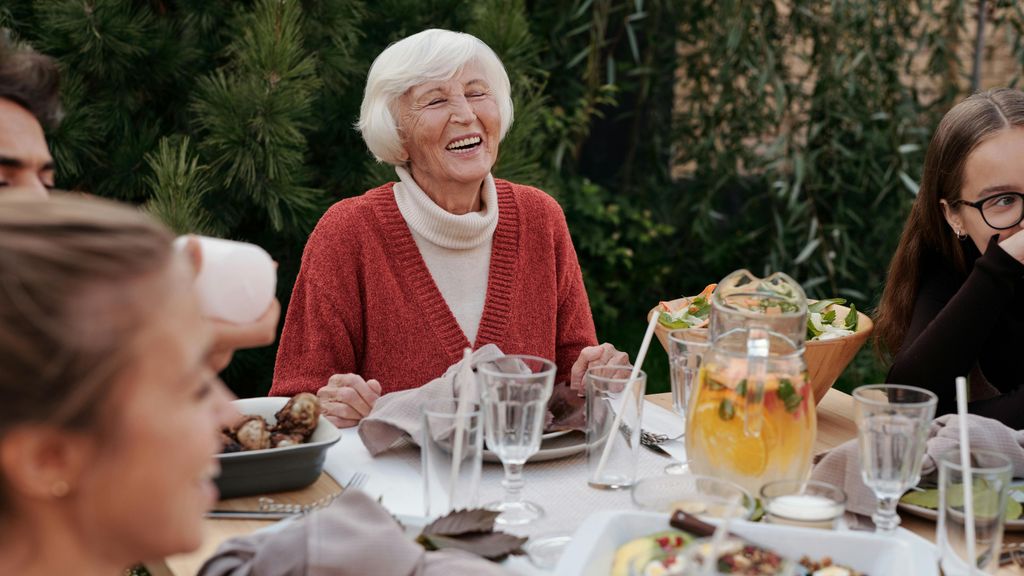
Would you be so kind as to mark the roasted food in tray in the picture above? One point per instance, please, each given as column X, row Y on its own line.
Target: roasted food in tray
column 293, row 424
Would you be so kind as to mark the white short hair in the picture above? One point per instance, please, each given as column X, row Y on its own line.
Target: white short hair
column 433, row 55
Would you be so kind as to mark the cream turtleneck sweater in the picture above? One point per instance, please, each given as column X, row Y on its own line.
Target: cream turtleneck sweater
column 455, row 248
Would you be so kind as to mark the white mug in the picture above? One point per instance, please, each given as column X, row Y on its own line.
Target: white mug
column 236, row 280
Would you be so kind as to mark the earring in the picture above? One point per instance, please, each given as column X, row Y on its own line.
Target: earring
column 59, row 489
column 960, row 235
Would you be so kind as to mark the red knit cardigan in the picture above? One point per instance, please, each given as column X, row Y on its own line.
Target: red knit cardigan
column 365, row 302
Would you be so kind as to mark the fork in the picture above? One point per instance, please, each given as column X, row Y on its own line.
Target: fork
column 653, row 438
column 270, row 509
column 647, row 440
column 269, row 505
column 1012, row 553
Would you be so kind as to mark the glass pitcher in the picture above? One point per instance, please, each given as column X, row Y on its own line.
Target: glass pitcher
column 751, row 416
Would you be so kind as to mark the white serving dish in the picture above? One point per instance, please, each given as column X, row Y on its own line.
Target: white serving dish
column 593, row 546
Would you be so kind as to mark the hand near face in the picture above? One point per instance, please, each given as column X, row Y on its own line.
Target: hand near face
column 1014, row 245
column 594, row 356
column 229, row 337
column 347, row 399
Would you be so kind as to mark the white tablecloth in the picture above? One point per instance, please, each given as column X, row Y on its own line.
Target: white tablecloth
column 559, row 486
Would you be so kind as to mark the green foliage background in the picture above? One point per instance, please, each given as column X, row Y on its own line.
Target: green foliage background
column 683, row 138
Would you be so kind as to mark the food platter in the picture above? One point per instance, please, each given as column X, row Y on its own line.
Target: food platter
column 593, row 547
column 274, row 469
column 553, row 446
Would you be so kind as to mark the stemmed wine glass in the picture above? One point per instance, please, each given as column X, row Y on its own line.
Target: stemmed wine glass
column 515, row 391
column 685, row 356
column 892, row 427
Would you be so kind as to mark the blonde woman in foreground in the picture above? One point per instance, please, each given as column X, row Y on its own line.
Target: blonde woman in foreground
column 112, row 410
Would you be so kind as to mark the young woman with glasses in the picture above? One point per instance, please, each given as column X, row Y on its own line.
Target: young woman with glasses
column 953, row 303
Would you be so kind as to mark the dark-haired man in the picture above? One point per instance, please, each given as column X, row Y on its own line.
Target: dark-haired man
column 29, row 99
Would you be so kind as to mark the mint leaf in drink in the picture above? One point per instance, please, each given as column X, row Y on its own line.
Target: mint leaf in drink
column 726, row 410
column 787, row 393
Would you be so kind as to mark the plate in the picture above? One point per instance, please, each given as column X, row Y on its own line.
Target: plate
column 553, row 446
column 1016, row 492
column 555, row 434
column 594, row 545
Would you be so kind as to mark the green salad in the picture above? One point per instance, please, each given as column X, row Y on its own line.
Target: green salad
column 824, row 323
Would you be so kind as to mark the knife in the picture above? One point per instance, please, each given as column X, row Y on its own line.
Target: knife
column 249, row 515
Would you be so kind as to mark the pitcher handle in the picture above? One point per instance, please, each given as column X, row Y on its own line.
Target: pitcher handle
column 758, row 346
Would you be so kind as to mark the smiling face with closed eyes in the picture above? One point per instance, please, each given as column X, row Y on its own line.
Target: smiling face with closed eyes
column 450, row 131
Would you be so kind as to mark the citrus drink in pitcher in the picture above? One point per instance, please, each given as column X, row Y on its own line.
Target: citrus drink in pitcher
column 751, row 416
column 719, row 438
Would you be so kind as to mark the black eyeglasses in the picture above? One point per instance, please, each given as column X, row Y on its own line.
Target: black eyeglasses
column 1001, row 212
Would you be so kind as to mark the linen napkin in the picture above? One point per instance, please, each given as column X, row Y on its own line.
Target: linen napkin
column 352, row 537
column 841, row 465
column 400, row 414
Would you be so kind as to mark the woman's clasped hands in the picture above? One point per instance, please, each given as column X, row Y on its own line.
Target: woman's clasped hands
column 348, row 398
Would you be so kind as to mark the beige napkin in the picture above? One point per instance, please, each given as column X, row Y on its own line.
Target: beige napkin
column 841, row 466
column 352, row 537
column 400, row 414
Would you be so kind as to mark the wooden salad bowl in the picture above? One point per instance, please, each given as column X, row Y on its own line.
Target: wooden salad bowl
column 826, row 359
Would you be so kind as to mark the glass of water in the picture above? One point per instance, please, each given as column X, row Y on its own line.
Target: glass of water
column 892, row 426
column 990, row 477
column 515, row 392
column 686, row 350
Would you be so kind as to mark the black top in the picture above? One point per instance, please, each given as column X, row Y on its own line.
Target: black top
column 962, row 323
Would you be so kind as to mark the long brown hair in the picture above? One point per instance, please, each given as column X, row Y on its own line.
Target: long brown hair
column 59, row 350
column 926, row 233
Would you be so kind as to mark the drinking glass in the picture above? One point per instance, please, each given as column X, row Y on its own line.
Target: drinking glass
column 804, row 503
column 685, row 356
column 698, row 495
column 614, row 410
column 515, row 392
column 991, row 474
column 451, row 481
column 892, row 426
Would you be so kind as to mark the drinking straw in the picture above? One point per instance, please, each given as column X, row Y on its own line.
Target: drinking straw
column 965, row 472
column 710, row 565
column 626, row 393
column 464, row 385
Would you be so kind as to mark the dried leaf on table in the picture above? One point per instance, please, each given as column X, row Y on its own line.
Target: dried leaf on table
column 471, row 531
column 494, row 546
column 462, row 522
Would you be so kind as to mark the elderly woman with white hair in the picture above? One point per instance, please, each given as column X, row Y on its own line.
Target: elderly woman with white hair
column 395, row 283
